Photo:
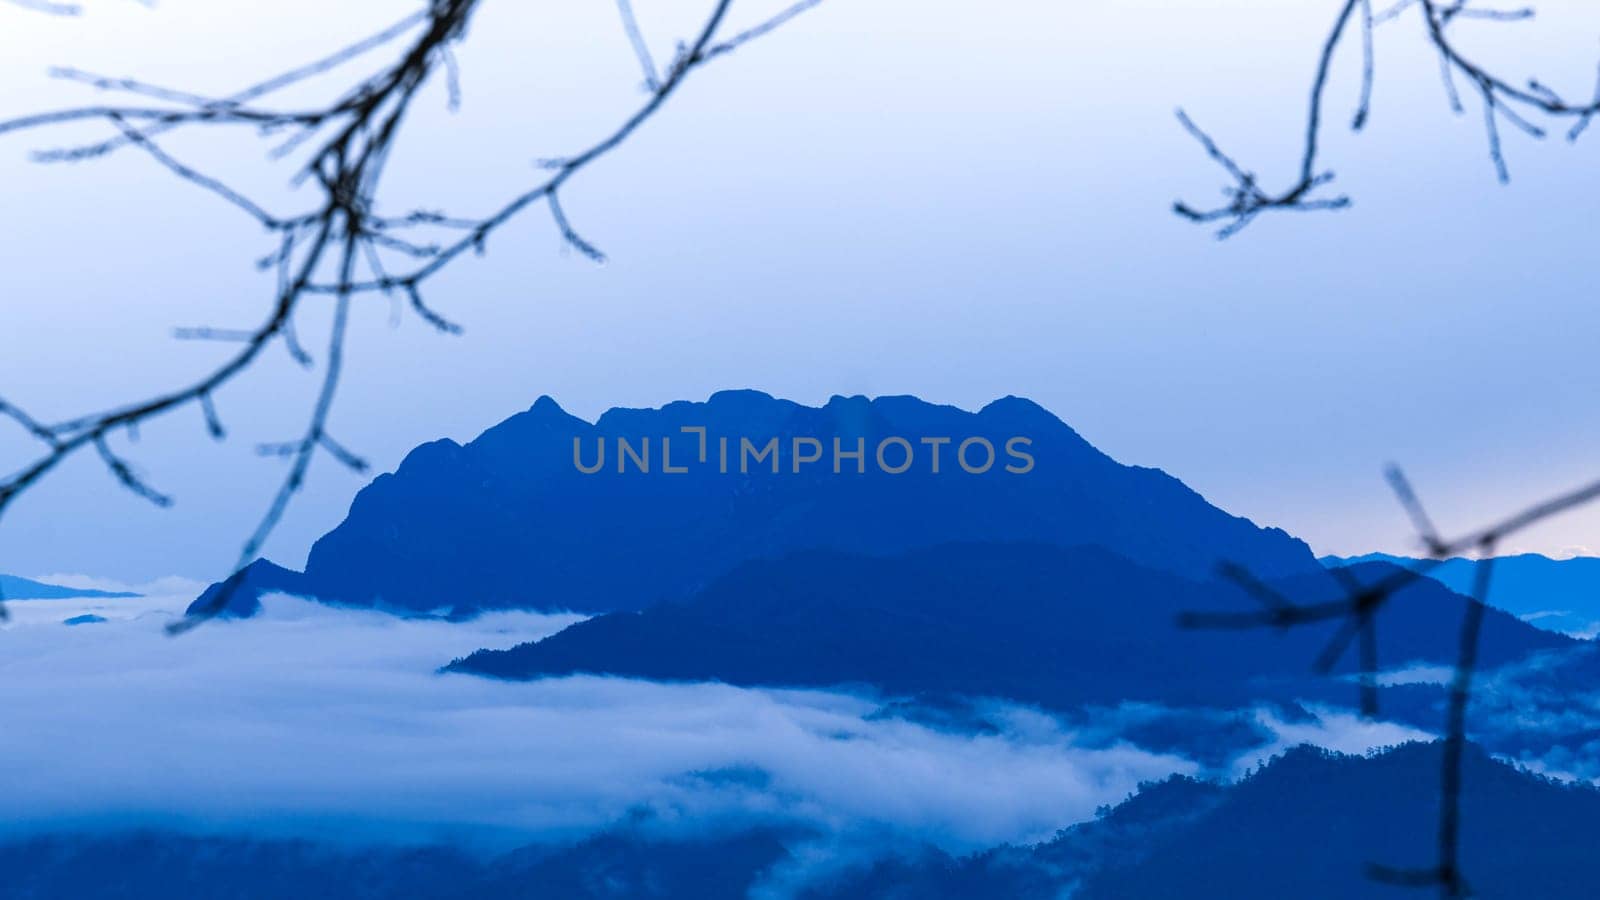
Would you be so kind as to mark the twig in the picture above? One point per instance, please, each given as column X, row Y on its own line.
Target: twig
column 1501, row 98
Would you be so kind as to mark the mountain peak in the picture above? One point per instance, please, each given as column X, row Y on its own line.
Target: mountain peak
column 546, row 405
column 1020, row 407
column 740, row 397
column 240, row 594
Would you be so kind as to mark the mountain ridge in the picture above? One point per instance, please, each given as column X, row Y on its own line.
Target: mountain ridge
column 1308, row 824
column 510, row 519
column 1556, row 594
column 1305, row 825
column 1029, row 623
column 13, row 587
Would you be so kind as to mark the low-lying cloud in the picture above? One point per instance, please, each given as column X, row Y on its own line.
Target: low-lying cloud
column 323, row 722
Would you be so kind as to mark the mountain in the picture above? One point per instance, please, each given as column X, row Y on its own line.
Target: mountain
column 1310, row 825
column 511, row 519
column 240, row 594
column 1036, row 623
column 1558, row 594
column 174, row 866
column 14, row 588
column 1306, row 825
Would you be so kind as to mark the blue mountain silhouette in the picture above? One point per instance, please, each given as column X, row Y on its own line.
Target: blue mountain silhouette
column 1037, row 623
column 125, row 865
column 14, row 588
column 1558, row 594
column 1306, row 825
column 508, row 520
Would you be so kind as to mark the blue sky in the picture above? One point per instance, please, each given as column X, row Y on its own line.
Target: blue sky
column 955, row 200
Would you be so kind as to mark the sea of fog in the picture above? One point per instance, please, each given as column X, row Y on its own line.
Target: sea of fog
column 335, row 723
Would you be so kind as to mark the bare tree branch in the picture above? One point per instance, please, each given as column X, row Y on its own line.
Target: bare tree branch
column 1501, row 98
column 1357, row 613
column 352, row 138
column 49, row 8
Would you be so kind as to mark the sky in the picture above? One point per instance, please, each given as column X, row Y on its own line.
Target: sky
column 960, row 201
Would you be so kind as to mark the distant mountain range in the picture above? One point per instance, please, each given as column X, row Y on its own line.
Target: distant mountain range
column 1030, row 622
column 934, row 557
column 1307, row 826
column 1557, row 594
column 1058, row 582
column 511, row 519
column 14, row 588
column 177, row 866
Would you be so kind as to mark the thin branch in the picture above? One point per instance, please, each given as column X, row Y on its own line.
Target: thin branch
column 1247, row 199
column 428, row 314
column 1501, row 98
column 1364, row 106
column 641, row 49
column 1450, row 879
column 570, row 234
column 765, row 28
column 194, row 177
column 125, row 475
column 49, row 8
column 261, row 89
column 1413, row 507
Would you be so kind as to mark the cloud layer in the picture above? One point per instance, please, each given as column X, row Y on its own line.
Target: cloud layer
column 334, row 721
column 322, row 722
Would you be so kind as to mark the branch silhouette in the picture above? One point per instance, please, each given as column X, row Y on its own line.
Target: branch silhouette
column 1503, row 102
column 1357, row 613
column 339, row 245
column 347, row 243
